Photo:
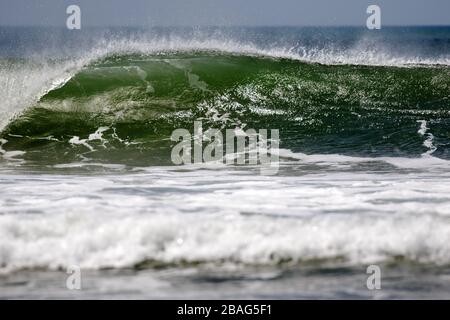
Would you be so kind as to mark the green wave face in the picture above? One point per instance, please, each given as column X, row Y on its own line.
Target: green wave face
column 123, row 109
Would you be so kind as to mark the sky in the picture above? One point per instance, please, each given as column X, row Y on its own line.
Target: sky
column 223, row 12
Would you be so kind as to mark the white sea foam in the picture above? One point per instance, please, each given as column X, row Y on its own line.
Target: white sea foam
column 170, row 216
column 97, row 135
column 429, row 142
column 12, row 156
column 425, row 161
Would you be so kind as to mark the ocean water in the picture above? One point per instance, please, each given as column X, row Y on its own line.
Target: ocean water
column 87, row 178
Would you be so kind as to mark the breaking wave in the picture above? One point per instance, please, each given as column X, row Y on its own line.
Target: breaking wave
column 133, row 101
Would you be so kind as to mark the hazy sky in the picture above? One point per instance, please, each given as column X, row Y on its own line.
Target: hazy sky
column 224, row 12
